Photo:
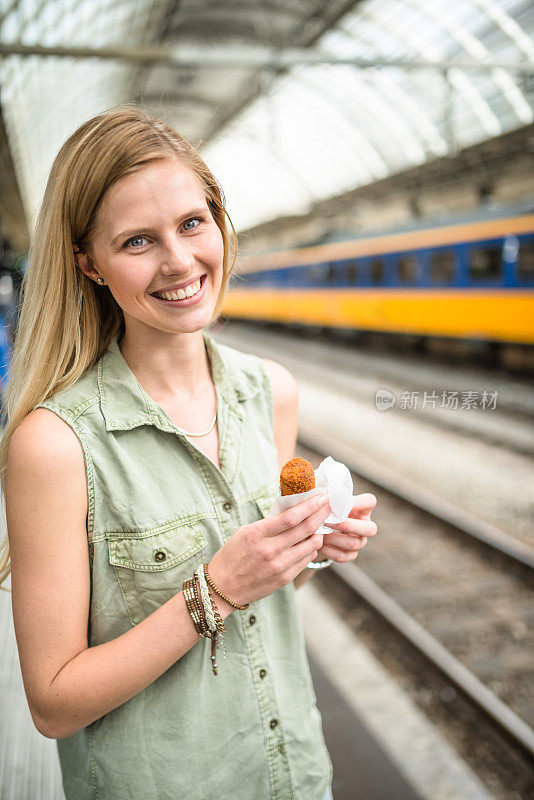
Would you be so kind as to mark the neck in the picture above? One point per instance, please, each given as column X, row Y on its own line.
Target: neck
column 167, row 365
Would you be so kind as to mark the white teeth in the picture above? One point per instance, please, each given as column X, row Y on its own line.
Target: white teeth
column 181, row 294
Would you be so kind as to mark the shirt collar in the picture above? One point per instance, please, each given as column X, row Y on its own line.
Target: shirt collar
column 126, row 405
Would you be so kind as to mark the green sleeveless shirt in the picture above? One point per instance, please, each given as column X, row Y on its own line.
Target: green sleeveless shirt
column 157, row 508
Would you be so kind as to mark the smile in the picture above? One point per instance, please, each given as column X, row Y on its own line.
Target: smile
column 183, row 298
column 181, row 294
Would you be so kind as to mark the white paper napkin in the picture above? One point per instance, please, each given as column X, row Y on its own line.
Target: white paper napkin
column 334, row 478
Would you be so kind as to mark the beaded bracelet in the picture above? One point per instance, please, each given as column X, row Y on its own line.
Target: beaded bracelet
column 213, row 617
column 188, row 596
column 209, row 632
column 218, row 591
column 193, row 607
column 197, row 611
column 206, row 600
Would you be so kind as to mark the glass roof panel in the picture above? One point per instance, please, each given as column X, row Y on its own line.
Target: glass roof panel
column 399, row 117
column 316, row 131
column 45, row 99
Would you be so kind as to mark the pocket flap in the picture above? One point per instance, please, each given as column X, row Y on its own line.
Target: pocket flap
column 159, row 551
column 265, row 503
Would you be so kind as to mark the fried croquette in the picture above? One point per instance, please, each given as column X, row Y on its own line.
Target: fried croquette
column 297, row 476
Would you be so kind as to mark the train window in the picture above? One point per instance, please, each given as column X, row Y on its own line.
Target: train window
column 377, row 270
column 318, row 273
column 352, row 271
column 264, row 278
column 442, row 265
column 407, row 268
column 485, row 263
column 525, row 267
column 293, row 276
column 332, row 276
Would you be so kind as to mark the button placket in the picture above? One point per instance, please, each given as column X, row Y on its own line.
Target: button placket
column 277, row 757
column 231, row 439
column 229, row 516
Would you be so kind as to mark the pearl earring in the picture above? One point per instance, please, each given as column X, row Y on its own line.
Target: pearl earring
column 101, row 281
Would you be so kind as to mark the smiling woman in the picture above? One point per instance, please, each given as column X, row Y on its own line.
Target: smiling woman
column 170, row 245
column 139, row 462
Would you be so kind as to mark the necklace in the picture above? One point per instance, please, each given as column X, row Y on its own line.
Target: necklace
column 204, row 433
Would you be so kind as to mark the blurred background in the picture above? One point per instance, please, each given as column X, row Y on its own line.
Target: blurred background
column 377, row 157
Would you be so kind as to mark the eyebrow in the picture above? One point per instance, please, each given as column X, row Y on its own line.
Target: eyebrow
column 186, row 215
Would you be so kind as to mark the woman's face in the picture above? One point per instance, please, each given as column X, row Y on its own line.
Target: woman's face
column 155, row 233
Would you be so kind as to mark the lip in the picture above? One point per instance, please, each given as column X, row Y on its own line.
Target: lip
column 179, row 286
column 189, row 301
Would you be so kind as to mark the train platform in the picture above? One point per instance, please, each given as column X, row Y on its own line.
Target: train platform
column 381, row 746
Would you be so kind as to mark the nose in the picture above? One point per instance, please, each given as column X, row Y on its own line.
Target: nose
column 177, row 256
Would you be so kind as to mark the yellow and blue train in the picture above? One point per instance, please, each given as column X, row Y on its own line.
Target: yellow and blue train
column 472, row 281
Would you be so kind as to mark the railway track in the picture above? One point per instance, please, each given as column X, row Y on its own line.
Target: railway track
column 461, row 601
column 358, row 374
column 497, row 542
column 474, row 461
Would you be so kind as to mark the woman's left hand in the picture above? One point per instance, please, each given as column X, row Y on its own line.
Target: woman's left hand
column 344, row 546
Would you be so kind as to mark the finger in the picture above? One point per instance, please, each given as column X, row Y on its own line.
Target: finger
column 338, row 555
column 298, row 566
column 309, row 548
column 307, row 528
column 344, row 541
column 356, row 527
column 293, row 516
column 363, row 504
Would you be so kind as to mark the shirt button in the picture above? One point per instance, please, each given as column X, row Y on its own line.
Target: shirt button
column 252, row 619
column 263, row 673
column 273, row 723
column 227, row 506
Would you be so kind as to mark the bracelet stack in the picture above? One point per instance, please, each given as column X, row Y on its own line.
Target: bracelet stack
column 204, row 612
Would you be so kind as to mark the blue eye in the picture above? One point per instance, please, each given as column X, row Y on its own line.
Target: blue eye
column 135, row 239
column 193, row 219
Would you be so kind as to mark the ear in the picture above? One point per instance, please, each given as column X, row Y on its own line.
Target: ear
column 85, row 263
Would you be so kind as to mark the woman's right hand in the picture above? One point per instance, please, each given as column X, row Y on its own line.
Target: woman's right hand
column 262, row 557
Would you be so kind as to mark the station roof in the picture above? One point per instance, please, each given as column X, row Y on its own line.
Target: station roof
column 293, row 101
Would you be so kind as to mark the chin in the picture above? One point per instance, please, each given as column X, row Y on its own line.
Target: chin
column 196, row 322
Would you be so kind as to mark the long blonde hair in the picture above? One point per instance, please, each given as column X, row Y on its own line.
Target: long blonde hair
column 66, row 321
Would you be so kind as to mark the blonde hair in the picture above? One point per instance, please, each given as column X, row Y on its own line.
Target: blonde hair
column 57, row 342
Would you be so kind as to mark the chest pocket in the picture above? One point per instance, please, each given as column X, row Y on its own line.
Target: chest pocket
column 151, row 567
column 258, row 508
column 264, row 503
